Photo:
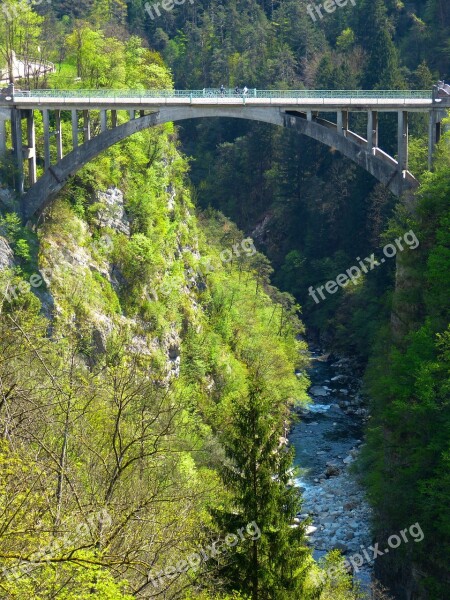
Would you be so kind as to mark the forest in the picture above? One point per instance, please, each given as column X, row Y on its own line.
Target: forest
column 148, row 384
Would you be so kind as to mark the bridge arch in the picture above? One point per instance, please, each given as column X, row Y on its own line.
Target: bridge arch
column 379, row 164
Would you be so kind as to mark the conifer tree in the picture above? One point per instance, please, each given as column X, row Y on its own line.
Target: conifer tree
column 257, row 474
column 382, row 68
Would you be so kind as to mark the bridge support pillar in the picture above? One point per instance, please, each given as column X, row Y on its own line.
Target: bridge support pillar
column 311, row 115
column 5, row 115
column 31, row 138
column 342, row 122
column 74, row 128
column 86, row 126
column 58, row 135
column 402, row 140
column 46, row 122
column 114, row 118
column 132, row 114
column 434, row 135
column 372, row 130
column 16, row 127
column 103, row 120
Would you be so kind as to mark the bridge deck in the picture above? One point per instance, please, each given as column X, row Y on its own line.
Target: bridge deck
column 322, row 100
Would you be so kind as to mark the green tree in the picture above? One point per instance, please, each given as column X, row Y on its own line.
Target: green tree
column 20, row 31
column 382, row 67
column 258, row 475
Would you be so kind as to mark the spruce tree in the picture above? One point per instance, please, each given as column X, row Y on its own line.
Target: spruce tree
column 257, row 474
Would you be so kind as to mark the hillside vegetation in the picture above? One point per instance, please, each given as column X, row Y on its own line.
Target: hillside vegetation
column 146, row 384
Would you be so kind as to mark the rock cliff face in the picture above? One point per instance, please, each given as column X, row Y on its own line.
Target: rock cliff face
column 112, row 214
column 83, row 274
column 6, row 255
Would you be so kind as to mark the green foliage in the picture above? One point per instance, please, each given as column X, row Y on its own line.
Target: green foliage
column 274, row 564
column 316, row 213
column 21, row 240
column 346, row 39
column 11, row 229
column 407, row 456
column 103, row 61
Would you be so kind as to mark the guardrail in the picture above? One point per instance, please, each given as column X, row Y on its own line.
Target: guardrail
column 229, row 93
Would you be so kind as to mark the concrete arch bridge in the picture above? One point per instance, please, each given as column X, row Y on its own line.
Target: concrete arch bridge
column 305, row 111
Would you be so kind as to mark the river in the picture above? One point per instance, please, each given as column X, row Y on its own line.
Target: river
column 327, row 440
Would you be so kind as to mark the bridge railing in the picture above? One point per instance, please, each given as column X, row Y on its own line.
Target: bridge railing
column 228, row 93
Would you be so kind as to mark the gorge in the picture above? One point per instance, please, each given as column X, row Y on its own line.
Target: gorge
column 169, row 386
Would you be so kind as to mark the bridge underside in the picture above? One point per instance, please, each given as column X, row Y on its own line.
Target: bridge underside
column 363, row 151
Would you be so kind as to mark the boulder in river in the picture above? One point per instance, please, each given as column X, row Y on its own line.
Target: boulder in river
column 332, row 471
column 310, row 529
column 338, row 378
column 318, row 390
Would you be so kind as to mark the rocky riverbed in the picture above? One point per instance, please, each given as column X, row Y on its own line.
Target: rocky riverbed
column 327, row 440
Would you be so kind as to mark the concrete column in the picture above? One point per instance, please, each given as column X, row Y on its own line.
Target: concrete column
column 103, row 120
column 114, row 118
column 345, row 115
column 342, row 121
column 402, row 140
column 74, row 128
column 438, row 129
column 58, row 134
column 16, row 127
column 86, row 126
column 372, row 130
column 431, row 138
column 3, row 120
column 45, row 119
column 309, row 115
column 31, row 138
column 376, row 141
column 2, row 137
column 142, row 113
column 434, row 135
column 339, row 122
column 132, row 114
